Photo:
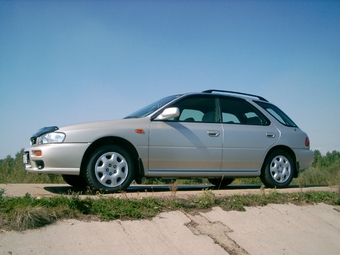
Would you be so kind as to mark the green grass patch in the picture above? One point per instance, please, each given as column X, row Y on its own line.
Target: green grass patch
column 27, row 212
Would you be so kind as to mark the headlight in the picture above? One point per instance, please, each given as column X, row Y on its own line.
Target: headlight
column 51, row 138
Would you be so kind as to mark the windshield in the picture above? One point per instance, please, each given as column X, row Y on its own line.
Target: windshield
column 277, row 114
column 145, row 111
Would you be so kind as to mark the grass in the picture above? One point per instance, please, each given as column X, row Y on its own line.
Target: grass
column 27, row 212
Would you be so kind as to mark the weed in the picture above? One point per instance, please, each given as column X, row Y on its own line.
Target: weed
column 118, row 208
column 262, row 190
column 206, row 200
column 175, row 204
column 173, row 189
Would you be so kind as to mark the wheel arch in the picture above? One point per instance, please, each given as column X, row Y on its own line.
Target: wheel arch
column 290, row 152
column 116, row 141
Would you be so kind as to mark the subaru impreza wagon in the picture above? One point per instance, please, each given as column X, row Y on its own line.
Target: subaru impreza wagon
column 215, row 134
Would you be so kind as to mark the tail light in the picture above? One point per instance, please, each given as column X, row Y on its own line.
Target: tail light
column 307, row 143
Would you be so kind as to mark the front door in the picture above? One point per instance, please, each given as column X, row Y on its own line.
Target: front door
column 189, row 143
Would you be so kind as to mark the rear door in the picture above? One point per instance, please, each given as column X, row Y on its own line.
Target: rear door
column 247, row 135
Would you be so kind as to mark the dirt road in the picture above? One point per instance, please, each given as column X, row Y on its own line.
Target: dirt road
column 273, row 229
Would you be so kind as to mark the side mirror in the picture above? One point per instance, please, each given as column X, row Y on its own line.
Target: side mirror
column 168, row 113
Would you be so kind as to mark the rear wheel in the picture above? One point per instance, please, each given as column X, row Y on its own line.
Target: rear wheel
column 76, row 181
column 221, row 182
column 278, row 170
column 110, row 169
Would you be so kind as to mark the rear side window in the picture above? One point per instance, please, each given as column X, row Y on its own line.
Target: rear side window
column 277, row 114
column 239, row 111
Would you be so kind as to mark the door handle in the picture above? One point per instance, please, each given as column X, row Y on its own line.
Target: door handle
column 270, row 135
column 213, row 133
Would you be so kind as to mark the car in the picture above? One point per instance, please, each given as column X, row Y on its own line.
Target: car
column 215, row 134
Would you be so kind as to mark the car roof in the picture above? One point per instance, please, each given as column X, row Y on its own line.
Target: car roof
column 239, row 94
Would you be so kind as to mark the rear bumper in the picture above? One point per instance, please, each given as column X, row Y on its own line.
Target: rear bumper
column 304, row 157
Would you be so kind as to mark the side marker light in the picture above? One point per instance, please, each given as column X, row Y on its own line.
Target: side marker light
column 139, row 131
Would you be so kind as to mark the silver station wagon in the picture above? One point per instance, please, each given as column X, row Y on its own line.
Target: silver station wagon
column 216, row 134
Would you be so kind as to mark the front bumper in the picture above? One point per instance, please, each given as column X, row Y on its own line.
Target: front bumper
column 63, row 158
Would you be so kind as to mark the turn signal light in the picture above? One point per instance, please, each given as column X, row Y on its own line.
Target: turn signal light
column 139, row 131
column 37, row 153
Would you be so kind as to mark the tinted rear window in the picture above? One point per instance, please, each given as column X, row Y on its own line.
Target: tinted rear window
column 277, row 114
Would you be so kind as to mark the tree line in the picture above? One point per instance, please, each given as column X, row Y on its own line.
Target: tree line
column 328, row 160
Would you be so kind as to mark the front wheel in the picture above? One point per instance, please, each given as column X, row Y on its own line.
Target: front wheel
column 278, row 170
column 110, row 169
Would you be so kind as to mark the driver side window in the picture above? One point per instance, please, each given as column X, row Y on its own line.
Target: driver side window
column 197, row 109
column 190, row 115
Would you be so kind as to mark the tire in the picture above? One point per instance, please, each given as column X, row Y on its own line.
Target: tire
column 76, row 181
column 110, row 169
column 278, row 170
column 221, row 182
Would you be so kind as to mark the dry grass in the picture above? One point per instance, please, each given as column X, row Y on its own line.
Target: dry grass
column 173, row 189
column 30, row 217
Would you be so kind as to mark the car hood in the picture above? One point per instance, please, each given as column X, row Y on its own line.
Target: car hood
column 88, row 132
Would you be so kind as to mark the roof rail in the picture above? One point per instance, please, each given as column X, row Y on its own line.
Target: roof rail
column 234, row 92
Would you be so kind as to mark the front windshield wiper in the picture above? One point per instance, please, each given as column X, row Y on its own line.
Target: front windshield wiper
column 132, row 117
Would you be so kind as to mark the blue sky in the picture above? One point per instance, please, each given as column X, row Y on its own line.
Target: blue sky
column 66, row 62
